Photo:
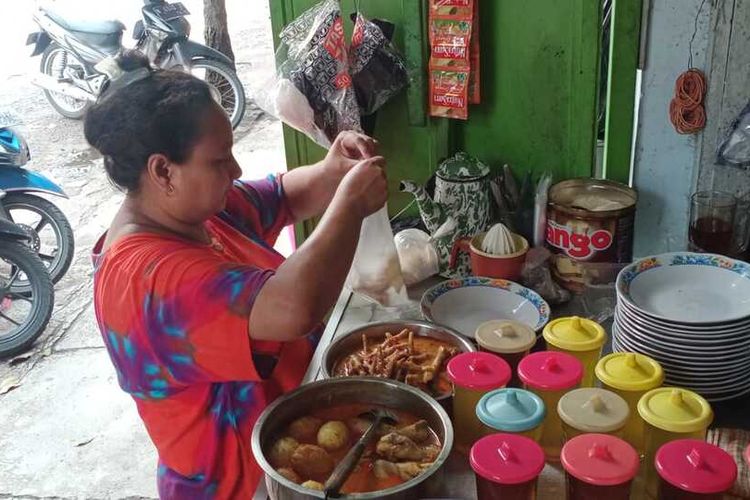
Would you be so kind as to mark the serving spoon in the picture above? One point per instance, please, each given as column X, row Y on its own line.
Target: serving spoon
column 344, row 468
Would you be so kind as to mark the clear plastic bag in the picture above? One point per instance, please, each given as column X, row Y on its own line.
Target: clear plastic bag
column 312, row 89
column 417, row 256
column 376, row 271
column 377, row 68
column 735, row 149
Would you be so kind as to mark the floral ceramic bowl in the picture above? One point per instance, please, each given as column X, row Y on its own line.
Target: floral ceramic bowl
column 464, row 304
column 687, row 288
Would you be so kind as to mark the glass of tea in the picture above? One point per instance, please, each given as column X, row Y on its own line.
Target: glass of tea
column 712, row 221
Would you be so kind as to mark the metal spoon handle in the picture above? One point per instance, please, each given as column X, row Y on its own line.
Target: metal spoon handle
column 344, row 468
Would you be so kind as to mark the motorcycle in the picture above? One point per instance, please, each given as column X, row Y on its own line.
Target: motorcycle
column 71, row 48
column 48, row 232
column 26, row 290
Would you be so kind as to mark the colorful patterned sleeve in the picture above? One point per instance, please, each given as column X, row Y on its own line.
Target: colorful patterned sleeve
column 197, row 317
column 259, row 208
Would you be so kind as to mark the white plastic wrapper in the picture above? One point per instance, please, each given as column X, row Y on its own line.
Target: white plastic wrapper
column 376, row 271
column 417, row 256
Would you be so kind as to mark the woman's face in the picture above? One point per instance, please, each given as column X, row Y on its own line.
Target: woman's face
column 201, row 184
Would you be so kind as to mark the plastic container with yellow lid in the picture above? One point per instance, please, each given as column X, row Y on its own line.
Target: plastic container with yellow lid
column 508, row 339
column 631, row 376
column 671, row 413
column 592, row 410
column 583, row 338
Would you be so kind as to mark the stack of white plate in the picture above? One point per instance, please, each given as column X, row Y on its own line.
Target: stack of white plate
column 690, row 312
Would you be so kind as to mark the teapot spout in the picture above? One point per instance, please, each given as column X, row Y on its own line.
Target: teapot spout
column 431, row 212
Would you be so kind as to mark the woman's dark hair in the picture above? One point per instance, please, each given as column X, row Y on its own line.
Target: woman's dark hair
column 160, row 113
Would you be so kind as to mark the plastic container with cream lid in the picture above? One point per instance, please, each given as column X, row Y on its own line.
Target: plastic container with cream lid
column 508, row 339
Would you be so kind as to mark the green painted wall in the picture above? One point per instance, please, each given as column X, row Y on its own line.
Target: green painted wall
column 540, row 63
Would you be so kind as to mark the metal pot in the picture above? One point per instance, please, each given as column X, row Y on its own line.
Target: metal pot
column 352, row 341
column 371, row 391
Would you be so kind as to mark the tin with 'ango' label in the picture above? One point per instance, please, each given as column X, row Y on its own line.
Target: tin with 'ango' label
column 590, row 230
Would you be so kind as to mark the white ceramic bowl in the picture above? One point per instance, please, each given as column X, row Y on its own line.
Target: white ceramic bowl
column 706, row 336
column 674, row 342
column 686, row 365
column 464, row 304
column 642, row 317
column 688, row 288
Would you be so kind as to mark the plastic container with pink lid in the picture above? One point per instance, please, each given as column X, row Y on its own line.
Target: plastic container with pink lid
column 690, row 469
column 550, row 374
column 599, row 466
column 473, row 374
column 506, row 466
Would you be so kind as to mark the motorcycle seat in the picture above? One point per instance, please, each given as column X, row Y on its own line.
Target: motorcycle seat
column 73, row 21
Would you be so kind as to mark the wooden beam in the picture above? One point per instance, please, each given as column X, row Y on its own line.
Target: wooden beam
column 625, row 44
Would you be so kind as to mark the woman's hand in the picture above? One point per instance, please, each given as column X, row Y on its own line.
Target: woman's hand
column 364, row 189
column 309, row 190
column 347, row 150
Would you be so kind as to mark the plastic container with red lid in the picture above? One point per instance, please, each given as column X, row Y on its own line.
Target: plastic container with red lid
column 693, row 469
column 506, row 466
column 599, row 466
column 473, row 374
column 550, row 374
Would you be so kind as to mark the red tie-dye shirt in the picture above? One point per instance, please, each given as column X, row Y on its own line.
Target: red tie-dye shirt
column 174, row 316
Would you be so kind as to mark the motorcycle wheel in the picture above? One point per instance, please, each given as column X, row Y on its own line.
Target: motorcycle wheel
column 26, row 315
column 54, row 61
column 225, row 85
column 52, row 236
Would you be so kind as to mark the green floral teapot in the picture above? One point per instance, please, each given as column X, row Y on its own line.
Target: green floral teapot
column 460, row 208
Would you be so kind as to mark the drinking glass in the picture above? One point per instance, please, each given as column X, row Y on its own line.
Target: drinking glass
column 712, row 221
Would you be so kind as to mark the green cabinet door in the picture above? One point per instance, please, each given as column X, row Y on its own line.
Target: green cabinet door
column 540, row 61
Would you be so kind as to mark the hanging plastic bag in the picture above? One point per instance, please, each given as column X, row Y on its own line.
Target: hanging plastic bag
column 312, row 62
column 735, row 150
column 378, row 70
column 376, row 271
column 417, row 255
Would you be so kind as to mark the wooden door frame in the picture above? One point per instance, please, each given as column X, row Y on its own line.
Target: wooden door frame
column 624, row 54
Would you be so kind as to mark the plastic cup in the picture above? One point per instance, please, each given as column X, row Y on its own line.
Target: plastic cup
column 550, row 375
column 512, row 411
column 691, row 469
column 473, row 374
column 630, row 376
column 508, row 339
column 507, row 467
column 599, row 466
column 579, row 337
column 592, row 410
column 671, row 413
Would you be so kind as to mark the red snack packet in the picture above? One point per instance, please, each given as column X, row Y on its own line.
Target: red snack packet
column 449, row 91
column 458, row 8
column 450, row 40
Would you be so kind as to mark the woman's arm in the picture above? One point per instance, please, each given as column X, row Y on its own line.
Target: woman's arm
column 309, row 190
column 305, row 287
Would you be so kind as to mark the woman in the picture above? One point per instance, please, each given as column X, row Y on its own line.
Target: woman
column 204, row 322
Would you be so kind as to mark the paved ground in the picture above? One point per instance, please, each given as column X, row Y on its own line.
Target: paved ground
column 66, row 429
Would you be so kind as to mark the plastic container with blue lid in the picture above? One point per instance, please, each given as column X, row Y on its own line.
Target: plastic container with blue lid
column 509, row 410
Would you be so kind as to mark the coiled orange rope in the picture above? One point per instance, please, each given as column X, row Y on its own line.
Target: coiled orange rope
column 686, row 108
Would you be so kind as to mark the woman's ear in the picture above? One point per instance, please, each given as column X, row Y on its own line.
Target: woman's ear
column 160, row 173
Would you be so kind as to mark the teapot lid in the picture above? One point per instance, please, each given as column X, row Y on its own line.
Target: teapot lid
column 461, row 167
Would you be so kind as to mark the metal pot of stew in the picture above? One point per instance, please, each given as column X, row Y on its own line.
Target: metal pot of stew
column 291, row 444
